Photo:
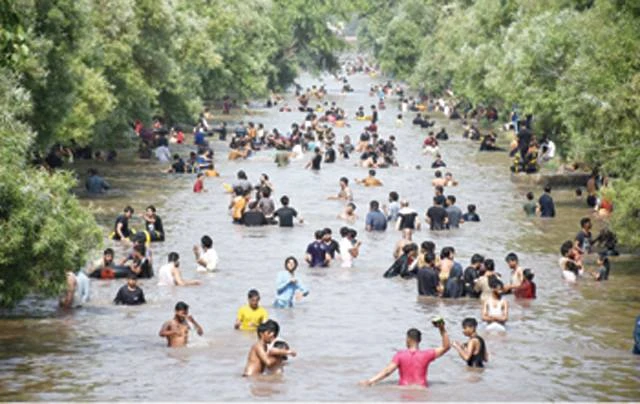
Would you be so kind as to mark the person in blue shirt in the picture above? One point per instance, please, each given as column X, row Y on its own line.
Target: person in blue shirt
column 375, row 220
column 317, row 253
column 545, row 204
column 96, row 184
column 287, row 286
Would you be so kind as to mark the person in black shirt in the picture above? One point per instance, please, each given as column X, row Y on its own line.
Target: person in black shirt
column 121, row 227
column 286, row 214
column 374, row 114
column 471, row 215
column 139, row 263
column 471, row 273
column 179, row 166
column 330, row 154
column 153, row 224
column 437, row 215
column 130, row 294
column 254, row 216
column 331, row 245
column 547, row 207
column 428, row 280
column 315, row 162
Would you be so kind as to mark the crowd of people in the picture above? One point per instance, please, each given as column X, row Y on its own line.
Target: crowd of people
column 437, row 273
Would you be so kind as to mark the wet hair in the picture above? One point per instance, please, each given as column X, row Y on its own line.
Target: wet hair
column 438, row 174
column 128, row 209
column 440, row 189
column 290, row 259
column 451, row 199
column 266, row 192
column 182, row 306
column 547, row 189
column 281, row 345
column 477, row 259
column 206, row 241
column 528, row 274
column 530, row 196
column 352, row 205
column 374, row 205
column 108, row 251
column 489, row 265
column 372, row 173
column 495, row 283
column 409, row 247
column 253, row 205
column 345, row 180
column 242, row 175
column 429, row 246
column 326, row 230
column 253, row 293
column 584, row 221
column 414, row 334
column 133, row 276
column 566, row 247
column 201, row 175
column 430, row 258
column 318, row 234
column 344, row 231
column 271, row 325
column 446, row 252
column 139, row 248
column 393, row 195
column 284, row 200
column 470, row 322
column 471, row 208
column 511, row 257
column 173, row 257
column 152, row 208
column 578, row 191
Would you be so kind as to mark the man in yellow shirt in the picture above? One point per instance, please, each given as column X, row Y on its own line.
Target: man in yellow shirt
column 251, row 315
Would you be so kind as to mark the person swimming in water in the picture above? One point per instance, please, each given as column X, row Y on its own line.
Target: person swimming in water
column 474, row 351
column 176, row 330
column 348, row 214
column 495, row 310
column 370, row 180
column 345, row 193
column 260, row 358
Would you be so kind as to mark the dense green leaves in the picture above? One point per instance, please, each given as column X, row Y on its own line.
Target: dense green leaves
column 572, row 63
column 84, row 70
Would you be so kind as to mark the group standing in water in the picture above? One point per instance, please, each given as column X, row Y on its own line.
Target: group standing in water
column 436, row 275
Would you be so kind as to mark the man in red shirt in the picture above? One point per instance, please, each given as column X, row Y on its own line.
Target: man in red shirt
column 413, row 363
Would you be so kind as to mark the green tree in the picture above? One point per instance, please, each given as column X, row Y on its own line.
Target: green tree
column 45, row 230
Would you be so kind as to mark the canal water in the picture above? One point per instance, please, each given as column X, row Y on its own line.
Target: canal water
column 572, row 343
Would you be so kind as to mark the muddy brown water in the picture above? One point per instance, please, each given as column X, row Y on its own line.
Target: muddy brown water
column 572, row 343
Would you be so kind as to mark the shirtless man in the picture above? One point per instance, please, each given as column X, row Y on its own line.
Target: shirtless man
column 438, row 181
column 260, row 357
column 449, row 181
column 349, row 213
column 345, row 193
column 176, row 330
column 517, row 273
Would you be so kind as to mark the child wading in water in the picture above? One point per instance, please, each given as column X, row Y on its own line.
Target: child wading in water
column 260, row 357
column 474, row 351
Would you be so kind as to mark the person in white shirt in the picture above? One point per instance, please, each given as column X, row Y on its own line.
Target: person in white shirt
column 170, row 275
column 349, row 248
column 163, row 154
column 206, row 256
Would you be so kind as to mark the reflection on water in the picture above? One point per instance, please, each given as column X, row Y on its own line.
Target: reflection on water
column 572, row 343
